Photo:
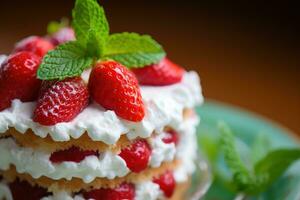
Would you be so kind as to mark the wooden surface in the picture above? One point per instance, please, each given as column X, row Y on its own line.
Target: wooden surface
column 246, row 55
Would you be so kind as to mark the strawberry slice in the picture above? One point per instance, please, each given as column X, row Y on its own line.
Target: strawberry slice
column 74, row 154
column 23, row 190
column 34, row 44
column 166, row 183
column 163, row 73
column 137, row 155
column 18, row 78
column 171, row 136
column 124, row 192
column 115, row 88
column 61, row 101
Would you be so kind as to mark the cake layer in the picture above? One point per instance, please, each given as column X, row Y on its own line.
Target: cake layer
column 107, row 165
column 164, row 106
column 145, row 190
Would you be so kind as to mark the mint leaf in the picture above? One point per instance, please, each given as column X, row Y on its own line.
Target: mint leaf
column 242, row 177
column 133, row 50
column 87, row 15
column 95, row 44
column 273, row 165
column 67, row 60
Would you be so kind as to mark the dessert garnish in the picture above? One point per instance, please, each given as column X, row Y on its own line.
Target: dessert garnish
column 35, row 44
column 61, row 101
column 166, row 183
column 115, row 87
column 73, row 154
column 159, row 74
column 18, row 78
column 123, row 191
column 137, row 155
column 94, row 43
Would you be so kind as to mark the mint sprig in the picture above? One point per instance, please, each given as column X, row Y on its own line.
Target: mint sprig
column 93, row 43
column 133, row 49
column 259, row 176
column 67, row 60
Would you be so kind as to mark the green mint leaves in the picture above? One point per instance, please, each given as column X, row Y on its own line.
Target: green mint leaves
column 257, row 177
column 132, row 49
column 93, row 43
column 66, row 60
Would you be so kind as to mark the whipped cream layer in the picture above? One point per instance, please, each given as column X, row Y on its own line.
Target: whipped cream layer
column 164, row 106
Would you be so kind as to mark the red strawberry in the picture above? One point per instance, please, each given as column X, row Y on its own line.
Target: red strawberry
column 115, row 88
column 18, row 78
column 166, row 183
column 73, row 154
column 62, row 36
column 61, row 101
column 124, row 192
column 171, row 137
column 137, row 155
column 35, row 44
column 23, row 190
column 163, row 73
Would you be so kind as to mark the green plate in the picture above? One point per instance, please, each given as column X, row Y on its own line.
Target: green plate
column 247, row 126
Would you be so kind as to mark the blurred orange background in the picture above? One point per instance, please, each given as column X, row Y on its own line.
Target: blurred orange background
column 246, row 54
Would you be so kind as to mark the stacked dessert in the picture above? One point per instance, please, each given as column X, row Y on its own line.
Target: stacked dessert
column 97, row 117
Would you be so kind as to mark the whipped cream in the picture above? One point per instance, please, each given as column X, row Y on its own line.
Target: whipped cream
column 164, row 106
column 108, row 164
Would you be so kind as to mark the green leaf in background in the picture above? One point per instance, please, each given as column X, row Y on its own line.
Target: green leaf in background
column 133, row 50
column 67, row 60
column 260, row 147
column 87, row 15
column 273, row 165
column 242, row 177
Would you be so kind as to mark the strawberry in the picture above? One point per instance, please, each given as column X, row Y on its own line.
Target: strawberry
column 171, row 136
column 20, row 188
column 61, row 101
column 166, row 183
column 35, row 44
column 124, row 192
column 137, row 155
column 115, row 88
column 63, row 35
column 163, row 73
column 18, row 78
column 74, row 154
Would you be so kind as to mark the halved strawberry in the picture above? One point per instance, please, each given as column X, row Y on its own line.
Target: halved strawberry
column 163, row 73
column 124, row 192
column 166, row 183
column 137, row 155
column 171, row 136
column 115, row 88
column 34, row 44
column 18, row 78
column 61, row 101
column 74, row 154
column 23, row 190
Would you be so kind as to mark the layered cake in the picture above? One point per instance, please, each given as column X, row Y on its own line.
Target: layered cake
column 88, row 115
